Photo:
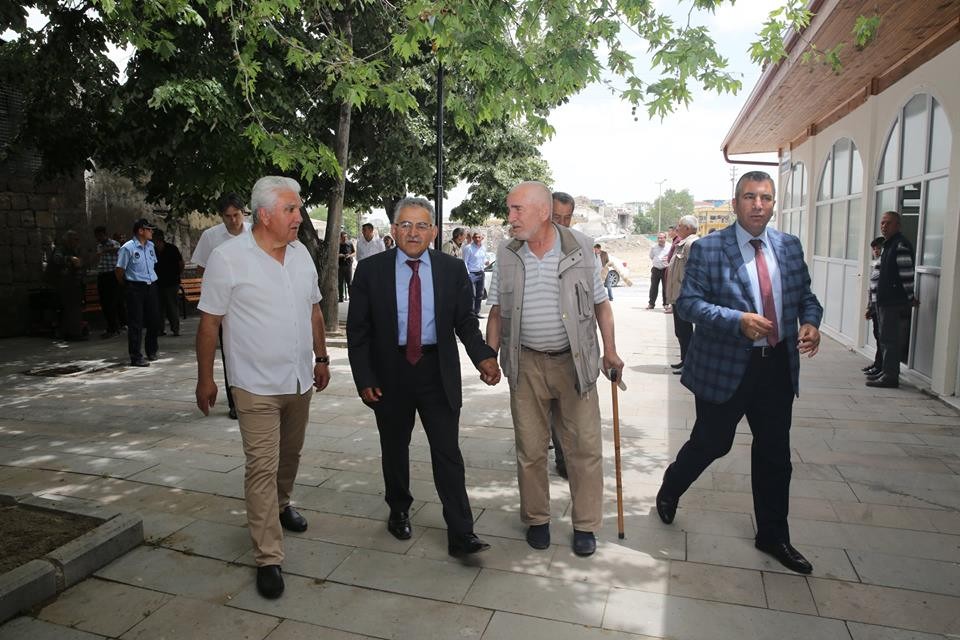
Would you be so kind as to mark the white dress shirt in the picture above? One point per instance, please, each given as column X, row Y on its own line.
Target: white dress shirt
column 366, row 249
column 211, row 239
column 773, row 267
column 266, row 308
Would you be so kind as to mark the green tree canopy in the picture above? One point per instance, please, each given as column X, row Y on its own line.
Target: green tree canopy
column 669, row 207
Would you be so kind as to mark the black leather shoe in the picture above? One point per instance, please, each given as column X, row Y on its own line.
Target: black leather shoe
column 875, row 376
column 787, row 556
column 232, row 414
column 678, row 372
column 291, row 520
column 269, row 581
column 562, row 468
column 870, row 368
column 152, row 357
column 139, row 363
column 584, row 543
column 666, row 507
column 678, row 365
column 883, row 383
column 464, row 544
column 538, row 536
column 398, row 524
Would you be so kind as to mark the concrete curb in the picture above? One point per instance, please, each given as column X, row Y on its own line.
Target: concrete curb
column 44, row 578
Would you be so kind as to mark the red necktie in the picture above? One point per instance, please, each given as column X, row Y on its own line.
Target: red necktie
column 766, row 292
column 414, row 347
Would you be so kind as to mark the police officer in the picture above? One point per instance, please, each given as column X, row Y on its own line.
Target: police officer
column 136, row 272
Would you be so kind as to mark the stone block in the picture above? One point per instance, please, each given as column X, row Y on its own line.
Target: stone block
column 26, row 586
column 95, row 549
column 37, row 202
column 5, row 202
column 71, row 505
column 45, row 219
column 19, row 201
column 27, row 219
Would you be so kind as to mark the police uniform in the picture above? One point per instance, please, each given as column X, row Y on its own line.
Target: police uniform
column 138, row 262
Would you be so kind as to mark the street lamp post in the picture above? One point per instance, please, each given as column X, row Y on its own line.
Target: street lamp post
column 660, row 205
column 438, row 196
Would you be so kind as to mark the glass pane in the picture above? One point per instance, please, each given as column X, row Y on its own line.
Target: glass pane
column 909, row 208
column 854, row 220
column 888, row 166
column 802, row 227
column 933, row 222
column 886, row 201
column 841, row 168
column 823, row 230
column 940, row 139
column 826, row 175
column 785, row 191
column 914, row 135
column 802, row 177
column 838, row 220
column 856, row 173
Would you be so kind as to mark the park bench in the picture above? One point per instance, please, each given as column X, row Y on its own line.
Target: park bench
column 189, row 293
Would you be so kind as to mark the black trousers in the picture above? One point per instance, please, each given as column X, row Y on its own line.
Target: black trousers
column 765, row 397
column 875, row 325
column 169, row 297
column 420, row 391
column 657, row 281
column 109, row 291
column 143, row 316
column 343, row 281
column 684, row 331
column 226, row 380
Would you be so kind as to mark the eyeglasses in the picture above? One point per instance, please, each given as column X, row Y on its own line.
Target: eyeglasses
column 406, row 225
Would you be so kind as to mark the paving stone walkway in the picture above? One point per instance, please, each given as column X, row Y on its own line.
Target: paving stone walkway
column 875, row 501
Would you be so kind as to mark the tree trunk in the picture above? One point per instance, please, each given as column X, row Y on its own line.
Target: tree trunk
column 328, row 278
column 389, row 203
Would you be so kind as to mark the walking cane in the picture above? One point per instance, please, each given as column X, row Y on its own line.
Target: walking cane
column 616, row 451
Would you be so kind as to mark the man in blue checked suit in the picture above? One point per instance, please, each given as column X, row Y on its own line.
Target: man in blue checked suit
column 747, row 290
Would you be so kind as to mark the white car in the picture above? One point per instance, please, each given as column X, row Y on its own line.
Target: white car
column 619, row 273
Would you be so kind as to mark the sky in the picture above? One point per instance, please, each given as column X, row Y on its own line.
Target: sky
column 600, row 152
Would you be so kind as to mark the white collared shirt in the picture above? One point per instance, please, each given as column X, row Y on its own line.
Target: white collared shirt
column 267, row 309
column 367, row 248
column 211, row 239
column 773, row 267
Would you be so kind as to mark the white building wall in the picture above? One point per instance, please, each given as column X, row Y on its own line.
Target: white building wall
column 868, row 127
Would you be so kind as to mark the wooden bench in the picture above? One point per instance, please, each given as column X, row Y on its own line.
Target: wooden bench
column 91, row 298
column 189, row 293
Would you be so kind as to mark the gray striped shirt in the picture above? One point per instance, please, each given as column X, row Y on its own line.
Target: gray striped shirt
column 541, row 327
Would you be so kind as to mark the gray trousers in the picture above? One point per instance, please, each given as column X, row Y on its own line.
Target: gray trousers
column 891, row 320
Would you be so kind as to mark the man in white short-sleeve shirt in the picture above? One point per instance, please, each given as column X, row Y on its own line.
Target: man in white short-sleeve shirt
column 547, row 304
column 231, row 209
column 262, row 288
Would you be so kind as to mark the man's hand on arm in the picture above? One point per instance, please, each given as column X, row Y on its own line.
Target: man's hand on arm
column 611, row 360
column 371, row 395
column 493, row 328
column 207, row 336
column 754, row 326
column 489, row 371
column 321, row 370
column 809, row 340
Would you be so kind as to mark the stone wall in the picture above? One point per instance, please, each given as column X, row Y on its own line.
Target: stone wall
column 32, row 216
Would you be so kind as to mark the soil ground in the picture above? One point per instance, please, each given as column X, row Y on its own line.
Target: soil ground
column 27, row 534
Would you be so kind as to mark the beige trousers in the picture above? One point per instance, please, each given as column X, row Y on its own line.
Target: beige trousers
column 541, row 379
column 272, row 428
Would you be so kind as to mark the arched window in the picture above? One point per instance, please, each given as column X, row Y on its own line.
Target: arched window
column 912, row 180
column 793, row 205
column 839, row 203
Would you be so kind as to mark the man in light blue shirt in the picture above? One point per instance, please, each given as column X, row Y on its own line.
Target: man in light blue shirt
column 136, row 272
column 475, row 257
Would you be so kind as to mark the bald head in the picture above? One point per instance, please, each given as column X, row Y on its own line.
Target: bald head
column 529, row 207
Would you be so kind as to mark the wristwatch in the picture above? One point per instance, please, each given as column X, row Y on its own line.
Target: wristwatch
column 322, row 360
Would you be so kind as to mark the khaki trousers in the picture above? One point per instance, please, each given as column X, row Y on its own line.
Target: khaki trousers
column 541, row 379
column 272, row 428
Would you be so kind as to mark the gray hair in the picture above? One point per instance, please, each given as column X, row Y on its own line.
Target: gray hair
column 690, row 222
column 754, row 176
column 564, row 198
column 264, row 194
column 412, row 201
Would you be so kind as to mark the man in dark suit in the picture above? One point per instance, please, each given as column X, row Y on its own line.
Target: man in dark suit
column 407, row 306
column 747, row 290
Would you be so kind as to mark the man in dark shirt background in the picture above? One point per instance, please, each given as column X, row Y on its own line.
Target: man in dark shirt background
column 169, row 269
column 345, row 265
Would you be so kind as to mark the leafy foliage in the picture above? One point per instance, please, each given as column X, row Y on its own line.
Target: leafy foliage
column 669, row 207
